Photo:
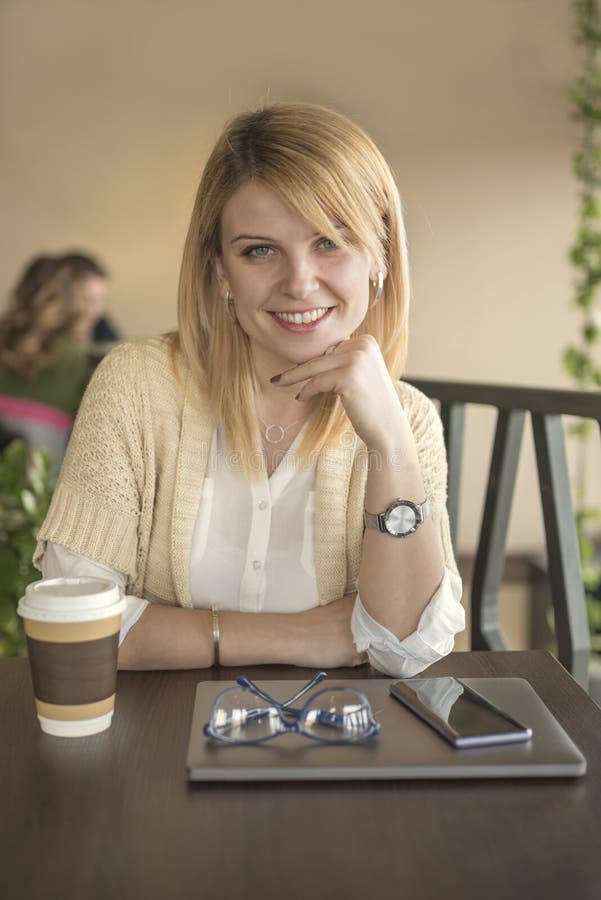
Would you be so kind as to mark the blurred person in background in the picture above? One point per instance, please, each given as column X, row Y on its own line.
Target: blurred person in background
column 44, row 361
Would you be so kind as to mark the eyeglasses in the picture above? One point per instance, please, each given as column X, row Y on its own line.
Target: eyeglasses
column 247, row 715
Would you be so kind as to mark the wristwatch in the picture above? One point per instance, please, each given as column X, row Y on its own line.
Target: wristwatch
column 403, row 517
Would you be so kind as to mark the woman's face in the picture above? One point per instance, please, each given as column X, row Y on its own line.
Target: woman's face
column 295, row 292
column 95, row 289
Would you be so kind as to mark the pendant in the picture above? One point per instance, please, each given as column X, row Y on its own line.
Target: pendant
column 270, row 430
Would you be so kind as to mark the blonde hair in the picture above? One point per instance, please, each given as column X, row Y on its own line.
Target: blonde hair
column 330, row 172
column 47, row 305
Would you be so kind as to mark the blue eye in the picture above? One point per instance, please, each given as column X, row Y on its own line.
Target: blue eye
column 258, row 252
column 328, row 244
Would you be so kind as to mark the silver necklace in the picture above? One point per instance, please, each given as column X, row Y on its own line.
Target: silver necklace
column 274, row 434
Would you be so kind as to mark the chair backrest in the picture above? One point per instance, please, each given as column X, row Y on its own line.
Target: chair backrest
column 38, row 424
column 545, row 408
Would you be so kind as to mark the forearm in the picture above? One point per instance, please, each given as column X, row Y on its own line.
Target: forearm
column 168, row 637
column 398, row 576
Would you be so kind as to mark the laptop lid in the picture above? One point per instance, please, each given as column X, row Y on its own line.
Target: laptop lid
column 405, row 748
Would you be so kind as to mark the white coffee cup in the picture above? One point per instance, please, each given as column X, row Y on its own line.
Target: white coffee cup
column 72, row 628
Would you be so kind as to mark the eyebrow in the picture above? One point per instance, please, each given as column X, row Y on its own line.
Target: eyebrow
column 250, row 237
column 260, row 237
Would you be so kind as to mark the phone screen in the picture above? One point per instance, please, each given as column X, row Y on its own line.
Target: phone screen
column 460, row 714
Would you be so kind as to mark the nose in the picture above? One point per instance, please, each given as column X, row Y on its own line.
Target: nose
column 300, row 278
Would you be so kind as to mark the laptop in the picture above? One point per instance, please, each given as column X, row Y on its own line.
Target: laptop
column 406, row 747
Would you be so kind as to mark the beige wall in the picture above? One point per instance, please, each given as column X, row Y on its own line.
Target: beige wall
column 109, row 110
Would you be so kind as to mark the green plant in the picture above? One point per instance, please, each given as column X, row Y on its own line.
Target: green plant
column 26, row 483
column 581, row 358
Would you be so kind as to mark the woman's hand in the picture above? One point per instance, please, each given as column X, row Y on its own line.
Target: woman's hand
column 323, row 636
column 355, row 370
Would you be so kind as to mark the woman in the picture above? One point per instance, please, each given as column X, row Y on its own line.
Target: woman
column 221, row 474
column 44, row 366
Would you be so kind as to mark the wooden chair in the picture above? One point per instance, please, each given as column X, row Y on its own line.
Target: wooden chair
column 545, row 408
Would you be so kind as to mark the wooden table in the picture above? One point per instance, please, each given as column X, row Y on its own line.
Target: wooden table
column 112, row 816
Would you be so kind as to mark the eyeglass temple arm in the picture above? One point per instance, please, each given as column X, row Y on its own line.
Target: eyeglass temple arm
column 243, row 681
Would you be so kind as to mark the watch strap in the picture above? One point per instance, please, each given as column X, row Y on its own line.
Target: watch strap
column 374, row 521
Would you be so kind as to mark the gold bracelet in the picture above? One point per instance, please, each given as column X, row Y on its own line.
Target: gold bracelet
column 215, row 621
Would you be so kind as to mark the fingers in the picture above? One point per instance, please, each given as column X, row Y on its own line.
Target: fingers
column 352, row 352
column 331, row 373
column 311, row 367
column 329, row 382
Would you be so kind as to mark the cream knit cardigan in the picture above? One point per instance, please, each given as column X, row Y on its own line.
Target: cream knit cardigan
column 130, row 485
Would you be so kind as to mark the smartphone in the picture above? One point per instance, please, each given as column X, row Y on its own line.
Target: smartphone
column 457, row 712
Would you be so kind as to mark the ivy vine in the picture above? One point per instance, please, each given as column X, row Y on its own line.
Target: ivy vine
column 581, row 358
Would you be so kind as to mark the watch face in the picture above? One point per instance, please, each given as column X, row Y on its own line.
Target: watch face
column 400, row 519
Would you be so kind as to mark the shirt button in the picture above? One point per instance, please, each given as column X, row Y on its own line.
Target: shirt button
column 263, row 504
column 256, row 564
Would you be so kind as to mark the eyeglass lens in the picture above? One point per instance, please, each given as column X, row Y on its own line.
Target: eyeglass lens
column 242, row 716
column 336, row 715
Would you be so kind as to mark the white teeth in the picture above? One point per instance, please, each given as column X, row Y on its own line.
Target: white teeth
column 302, row 318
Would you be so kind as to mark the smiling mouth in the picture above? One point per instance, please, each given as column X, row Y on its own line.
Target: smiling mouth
column 303, row 318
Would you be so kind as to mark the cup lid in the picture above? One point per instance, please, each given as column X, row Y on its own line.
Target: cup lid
column 73, row 599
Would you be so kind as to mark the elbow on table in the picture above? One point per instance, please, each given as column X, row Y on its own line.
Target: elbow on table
column 433, row 639
column 405, row 665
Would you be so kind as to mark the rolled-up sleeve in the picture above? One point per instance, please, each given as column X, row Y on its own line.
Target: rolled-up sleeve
column 441, row 620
